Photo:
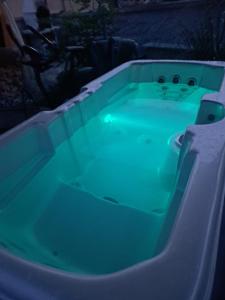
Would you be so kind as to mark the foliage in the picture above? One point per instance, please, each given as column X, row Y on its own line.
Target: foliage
column 85, row 26
column 208, row 41
column 101, row 4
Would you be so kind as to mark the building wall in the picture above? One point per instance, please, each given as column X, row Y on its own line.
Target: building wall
column 16, row 6
column 70, row 6
column 55, row 6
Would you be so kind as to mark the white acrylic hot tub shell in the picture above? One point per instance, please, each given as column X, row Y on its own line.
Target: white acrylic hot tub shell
column 185, row 267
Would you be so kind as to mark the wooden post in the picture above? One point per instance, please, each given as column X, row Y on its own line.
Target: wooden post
column 7, row 40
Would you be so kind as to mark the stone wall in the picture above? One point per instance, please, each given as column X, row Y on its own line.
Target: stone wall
column 138, row 5
column 125, row 3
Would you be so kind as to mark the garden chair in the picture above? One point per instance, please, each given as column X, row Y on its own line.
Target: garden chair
column 40, row 63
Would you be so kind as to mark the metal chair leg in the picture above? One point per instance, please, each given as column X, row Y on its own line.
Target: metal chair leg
column 42, row 87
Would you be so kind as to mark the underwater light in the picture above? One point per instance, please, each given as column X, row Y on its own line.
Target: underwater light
column 108, row 118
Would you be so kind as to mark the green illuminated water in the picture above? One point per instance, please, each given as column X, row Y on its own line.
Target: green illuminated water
column 98, row 205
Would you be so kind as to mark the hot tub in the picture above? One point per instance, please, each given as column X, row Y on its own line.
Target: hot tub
column 118, row 193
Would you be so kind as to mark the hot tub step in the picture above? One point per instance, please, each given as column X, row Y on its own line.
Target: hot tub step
column 94, row 235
